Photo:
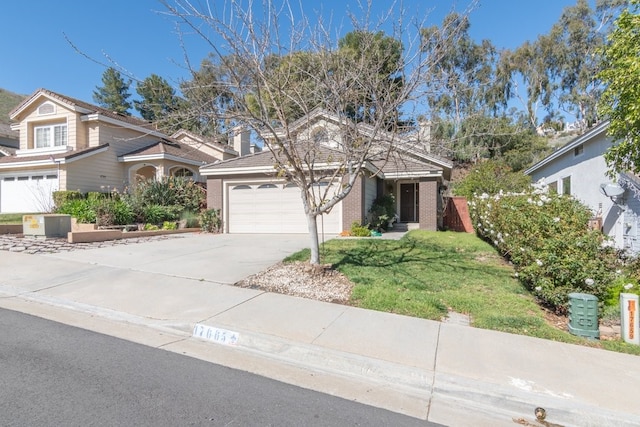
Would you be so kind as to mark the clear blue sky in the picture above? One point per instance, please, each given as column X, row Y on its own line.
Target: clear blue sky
column 35, row 54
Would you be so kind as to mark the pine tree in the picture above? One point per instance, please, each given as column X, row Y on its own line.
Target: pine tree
column 114, row 93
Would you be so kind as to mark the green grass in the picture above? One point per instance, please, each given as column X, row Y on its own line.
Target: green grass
column 428, row 273
column 11, row 218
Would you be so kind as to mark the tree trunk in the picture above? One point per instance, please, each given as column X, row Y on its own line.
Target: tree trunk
column 313, row 234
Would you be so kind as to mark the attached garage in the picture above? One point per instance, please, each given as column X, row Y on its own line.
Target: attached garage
column 27, row 192
column 273, row 207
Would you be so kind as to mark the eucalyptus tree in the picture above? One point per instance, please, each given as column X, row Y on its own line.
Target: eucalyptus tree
column 620, row 102
column 114, row 94
column 560, row 69
column 468, row 88
column 264, row 96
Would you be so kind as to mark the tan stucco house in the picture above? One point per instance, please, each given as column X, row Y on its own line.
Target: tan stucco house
column 252, row 198
column 68, row 144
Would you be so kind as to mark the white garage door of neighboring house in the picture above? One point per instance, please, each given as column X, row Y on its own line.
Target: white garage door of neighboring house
column 27, row 193
column 273, row 208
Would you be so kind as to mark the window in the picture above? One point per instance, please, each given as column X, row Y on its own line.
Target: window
column 320, row 135
column 242, row 187
column 46, row 108
column 578, row 150
column 553, row 187
column 183, row 172
column 51, row 136
column 263, row 186
column 566, row 185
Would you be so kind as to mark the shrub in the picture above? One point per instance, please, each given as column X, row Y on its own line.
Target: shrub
column 169, row 225
column 113, row 212
column 168, row 191
column 151, row 227
column 97, row 197
column 81, row 209
column 490, row 177
column 358, row 230
column 190, row 219
column 62, row 197
column 210, row 220
column 546, row 237
column 157, row 214
column 382, row 211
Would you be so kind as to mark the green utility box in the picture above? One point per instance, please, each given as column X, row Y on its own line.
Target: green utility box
column 583, row 315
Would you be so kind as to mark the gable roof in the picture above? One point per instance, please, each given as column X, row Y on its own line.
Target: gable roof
column 226, row 148
column 167, row 149
column 90, row 111
column 402, row 143
column 50, row 159
column 585, row 137
column 392, row 166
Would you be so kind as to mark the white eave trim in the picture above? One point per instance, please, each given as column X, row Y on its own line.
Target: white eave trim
column 163, row 156
column 404, row 175
column 45, row 162
column 270, row 169
column 51, row 160
column 602, row 127
column 53, row 99
column 105, row 119
column 82, row 156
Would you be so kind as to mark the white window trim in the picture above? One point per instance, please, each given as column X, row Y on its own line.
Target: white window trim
column 52, row 143
column 54, row 109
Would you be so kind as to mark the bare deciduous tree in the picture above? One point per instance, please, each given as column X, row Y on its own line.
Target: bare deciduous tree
column 280, row 66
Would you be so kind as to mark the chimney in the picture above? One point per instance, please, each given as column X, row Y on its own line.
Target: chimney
column 424, row 135
column 241, row 140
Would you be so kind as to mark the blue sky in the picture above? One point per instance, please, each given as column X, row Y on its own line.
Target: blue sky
column 143, row 41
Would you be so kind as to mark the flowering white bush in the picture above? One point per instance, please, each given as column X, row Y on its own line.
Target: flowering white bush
column 546, row 237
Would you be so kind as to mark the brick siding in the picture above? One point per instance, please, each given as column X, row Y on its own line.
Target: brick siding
column 352, row 205
column 428, row 206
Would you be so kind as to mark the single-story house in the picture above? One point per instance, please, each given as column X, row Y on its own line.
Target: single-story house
column 68, row 144
column 579, row 169
column 254, row 198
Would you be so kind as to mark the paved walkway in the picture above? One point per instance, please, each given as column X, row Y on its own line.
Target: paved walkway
column 160, row 293
column 50, row 245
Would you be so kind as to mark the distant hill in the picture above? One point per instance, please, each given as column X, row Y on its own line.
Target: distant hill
column 8, row 101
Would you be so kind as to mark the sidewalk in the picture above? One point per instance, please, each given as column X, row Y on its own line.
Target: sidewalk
column 446, row 373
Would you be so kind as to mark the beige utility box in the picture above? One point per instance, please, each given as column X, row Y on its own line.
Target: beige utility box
column 46, row 225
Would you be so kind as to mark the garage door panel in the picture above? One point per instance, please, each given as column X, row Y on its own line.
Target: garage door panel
column 27, row 193
column 267, row 209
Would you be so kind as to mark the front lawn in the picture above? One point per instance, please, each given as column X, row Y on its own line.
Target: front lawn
column 11, row 218
column 426, row 274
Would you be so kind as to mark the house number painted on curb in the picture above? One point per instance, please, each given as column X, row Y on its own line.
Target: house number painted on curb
column 220, row 336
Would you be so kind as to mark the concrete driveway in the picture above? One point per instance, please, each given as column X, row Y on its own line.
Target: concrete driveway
column 219, row 258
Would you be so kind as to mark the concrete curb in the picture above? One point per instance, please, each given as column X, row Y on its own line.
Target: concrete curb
column 434, row 396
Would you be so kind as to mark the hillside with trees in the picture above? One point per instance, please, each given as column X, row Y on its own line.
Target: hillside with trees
column 8, row 101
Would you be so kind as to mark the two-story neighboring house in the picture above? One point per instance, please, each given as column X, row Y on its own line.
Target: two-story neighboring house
column 68, row 144
column 579, row 169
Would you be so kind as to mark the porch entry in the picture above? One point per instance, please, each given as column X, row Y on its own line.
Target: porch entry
column 409, row 202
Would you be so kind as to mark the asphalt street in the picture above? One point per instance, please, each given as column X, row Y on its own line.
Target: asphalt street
column 54, row 374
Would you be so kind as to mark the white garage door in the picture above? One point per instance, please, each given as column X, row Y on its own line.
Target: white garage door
column 273, row 208
column 27, row 193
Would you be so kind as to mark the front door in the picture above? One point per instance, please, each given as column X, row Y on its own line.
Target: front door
column 409, row 202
